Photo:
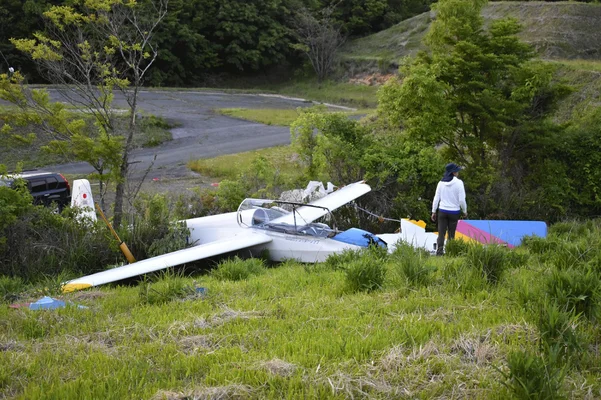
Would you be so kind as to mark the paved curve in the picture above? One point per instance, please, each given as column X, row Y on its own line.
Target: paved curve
column 200, row 133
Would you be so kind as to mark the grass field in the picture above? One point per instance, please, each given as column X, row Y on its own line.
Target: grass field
column 433, row 327
column 230, row 166
column 282, row 117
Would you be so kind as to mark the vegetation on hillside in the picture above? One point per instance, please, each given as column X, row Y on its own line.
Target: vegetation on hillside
column 555, row 30
column 201, row 39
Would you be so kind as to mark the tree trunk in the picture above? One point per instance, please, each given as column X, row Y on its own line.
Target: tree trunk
column 120, row 190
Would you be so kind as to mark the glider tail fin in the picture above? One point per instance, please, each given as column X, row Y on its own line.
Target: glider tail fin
column 81, row 198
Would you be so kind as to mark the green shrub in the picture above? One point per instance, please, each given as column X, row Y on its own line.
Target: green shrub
column 236, row 269
column 230, row 194
column 570, row 254
column 539, row 245
column 577, row 290
column 43, row 244
column 557, row 330
column 532, row 376
column 154, row 130
column 365, row 274
column 341, row 261
column 168, row 286
column 491, row 260
column 10, row 288
column 456, row 248
column 412, row 263
column 13, row 204
column 152, row 230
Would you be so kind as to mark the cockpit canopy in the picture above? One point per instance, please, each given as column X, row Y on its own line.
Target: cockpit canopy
column 270, row 215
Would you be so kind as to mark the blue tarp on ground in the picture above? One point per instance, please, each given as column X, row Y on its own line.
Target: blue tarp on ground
column 48, row 303
column 359, row 237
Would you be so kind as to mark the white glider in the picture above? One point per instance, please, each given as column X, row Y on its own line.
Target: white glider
column 286, row 230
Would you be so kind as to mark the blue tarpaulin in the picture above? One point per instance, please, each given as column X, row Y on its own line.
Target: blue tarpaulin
column 48, row 303
column 359, row 237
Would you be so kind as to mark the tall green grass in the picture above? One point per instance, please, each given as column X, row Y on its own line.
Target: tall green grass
column 297, row 331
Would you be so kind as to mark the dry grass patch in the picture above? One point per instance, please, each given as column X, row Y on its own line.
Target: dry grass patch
column 88, row 295
column 100, row 341
column 475, row 350
column 279, row 367
column 224, row 317
column 11, row 345
column 194, row 344
column 208, row 393
column 362, row 386
column 397, row 358
column 519, row 331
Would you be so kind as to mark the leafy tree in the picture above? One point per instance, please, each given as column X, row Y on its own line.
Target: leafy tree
column 71, row 134
column 581, row 150
column 201, row 37
column 479, row 97
column 18, row 19
column 187, row 51
column 91, row 48
column 330, row 145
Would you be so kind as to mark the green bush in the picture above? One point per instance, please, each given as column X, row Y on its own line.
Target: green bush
column 13, row 204
column 365, row 274
column 532, row 376
column 341, row 261
column 237, row 269
column 41, row 244
column 152, row 230
column 154, row 130
column 456, row 248
column 11, row 288
column 491, row 260
column 167, row 287
column 557, row 330
column 577, row 290
column 412, row 263
column 230, row 194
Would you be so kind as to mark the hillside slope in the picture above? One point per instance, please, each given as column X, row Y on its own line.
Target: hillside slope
column 565, row 34
column 559, row 30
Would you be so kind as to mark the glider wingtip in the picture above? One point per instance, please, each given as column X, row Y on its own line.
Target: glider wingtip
column 72, row 287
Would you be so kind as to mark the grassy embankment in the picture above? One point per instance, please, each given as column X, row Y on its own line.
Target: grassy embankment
column 436, row 328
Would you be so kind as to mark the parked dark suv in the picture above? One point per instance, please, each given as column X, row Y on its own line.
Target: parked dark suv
column 45, row 187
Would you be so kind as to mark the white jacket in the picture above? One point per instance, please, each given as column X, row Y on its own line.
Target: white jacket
column 450, row 196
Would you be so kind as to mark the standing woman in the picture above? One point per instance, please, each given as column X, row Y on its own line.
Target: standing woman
column 449, row 200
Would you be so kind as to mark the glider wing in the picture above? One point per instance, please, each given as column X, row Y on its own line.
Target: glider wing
column 179, row 257
column 305, row 215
